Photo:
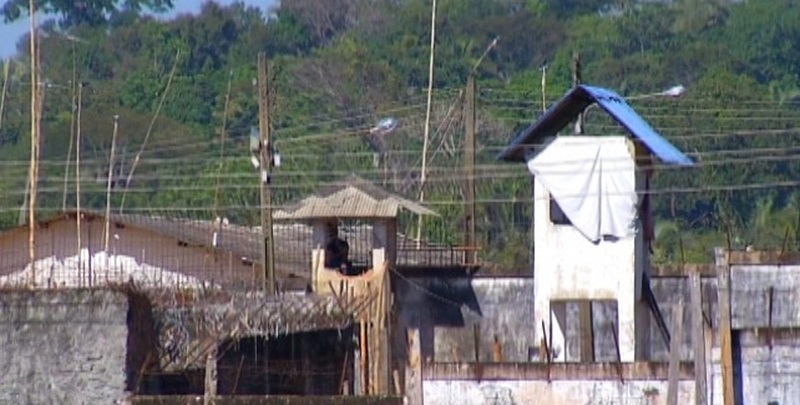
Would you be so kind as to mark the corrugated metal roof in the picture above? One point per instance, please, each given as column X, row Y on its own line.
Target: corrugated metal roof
column 576, row 101
column 355, row 199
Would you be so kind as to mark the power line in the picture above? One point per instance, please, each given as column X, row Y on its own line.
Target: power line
column 709, row 158
column 665, row 191
column 188, row 158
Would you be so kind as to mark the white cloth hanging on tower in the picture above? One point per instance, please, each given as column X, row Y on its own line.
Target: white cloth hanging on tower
column 593, row 180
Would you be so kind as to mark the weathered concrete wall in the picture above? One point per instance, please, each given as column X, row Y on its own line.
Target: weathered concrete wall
column 750, row 296
column 272, row 400
column 553, row 393
column 63, row 347
column 568, row 266
column 761, row 375
column 446, row 310
column 668, row 292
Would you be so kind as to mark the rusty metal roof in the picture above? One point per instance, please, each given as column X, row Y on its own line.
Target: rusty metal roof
column 354, row 198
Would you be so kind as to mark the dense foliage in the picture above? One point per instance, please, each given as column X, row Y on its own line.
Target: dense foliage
column 338, row 66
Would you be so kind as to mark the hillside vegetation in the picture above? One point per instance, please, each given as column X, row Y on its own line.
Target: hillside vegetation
column 339, row 66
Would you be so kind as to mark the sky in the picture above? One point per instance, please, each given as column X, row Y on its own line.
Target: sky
column 12, row 32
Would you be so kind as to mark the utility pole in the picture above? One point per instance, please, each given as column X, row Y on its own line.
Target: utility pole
column 576, row 81
column 74, row 92
column 34, row 166
column 108, row 186
column 469, row 173
column 423, row 175
column 78, row 175
column 6, row 68
column 267, row 278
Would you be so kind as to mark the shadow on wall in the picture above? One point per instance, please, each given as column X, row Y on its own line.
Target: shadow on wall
column 142, row 354
column 429, row 303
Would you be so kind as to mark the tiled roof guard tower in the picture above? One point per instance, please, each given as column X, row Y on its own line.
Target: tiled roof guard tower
column 592, row 224
column 359, row 201
column 354, row 199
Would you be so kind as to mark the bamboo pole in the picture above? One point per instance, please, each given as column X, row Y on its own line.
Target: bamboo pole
column 107, row 231
column 426, row 134
column 34, row 164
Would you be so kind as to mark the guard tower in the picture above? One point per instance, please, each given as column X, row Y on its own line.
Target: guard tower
column 592, row 222
column 362, row 214
column 365, row 216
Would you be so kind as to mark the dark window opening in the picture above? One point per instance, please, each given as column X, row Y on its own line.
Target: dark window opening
column 557, row 216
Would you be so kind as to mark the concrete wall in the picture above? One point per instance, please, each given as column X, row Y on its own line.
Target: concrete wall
column 568, row 266
column 608, row 392
column 750, row 294
column 272, row 400
column 762, row 375
column 63, row 347
column 447, row 309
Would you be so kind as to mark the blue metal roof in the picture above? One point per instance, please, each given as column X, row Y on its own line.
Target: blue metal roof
column 576, row 101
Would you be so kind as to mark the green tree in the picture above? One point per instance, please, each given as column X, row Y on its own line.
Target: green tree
column 73, row 13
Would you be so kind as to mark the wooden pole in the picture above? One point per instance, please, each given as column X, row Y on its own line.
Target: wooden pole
column 675, row 354
column 548, row 358
column 107, row 230
column 222, row 140
column 6, row 69
column 476, row 336
column 364, row 358
column 577, row 79
column 544, row 88
column 615, row 337
column 469, row 173
column 698, row 339
column 414, row 380
column 78, row 177
column 210, row 392
column 587, row 332
column 149, row 130
column 726, row 350
column 74, row 93
column 268, row 277
column 34, row 165
column 423, row 176
column 497, row 350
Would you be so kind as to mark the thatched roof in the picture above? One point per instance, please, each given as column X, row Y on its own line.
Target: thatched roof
column 187, row 330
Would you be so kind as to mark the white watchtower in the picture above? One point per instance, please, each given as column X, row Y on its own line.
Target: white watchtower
column 592, row 223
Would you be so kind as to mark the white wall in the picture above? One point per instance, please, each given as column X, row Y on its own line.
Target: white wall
column 568, row 266
column 553, row 393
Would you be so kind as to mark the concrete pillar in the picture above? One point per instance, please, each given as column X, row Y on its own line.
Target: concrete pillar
column 384, row 238
column 633, row 320
column 553, row 315
column 626, row 327
column 320, row 231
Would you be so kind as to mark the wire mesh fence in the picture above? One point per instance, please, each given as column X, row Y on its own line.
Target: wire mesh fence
column 158, row 251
